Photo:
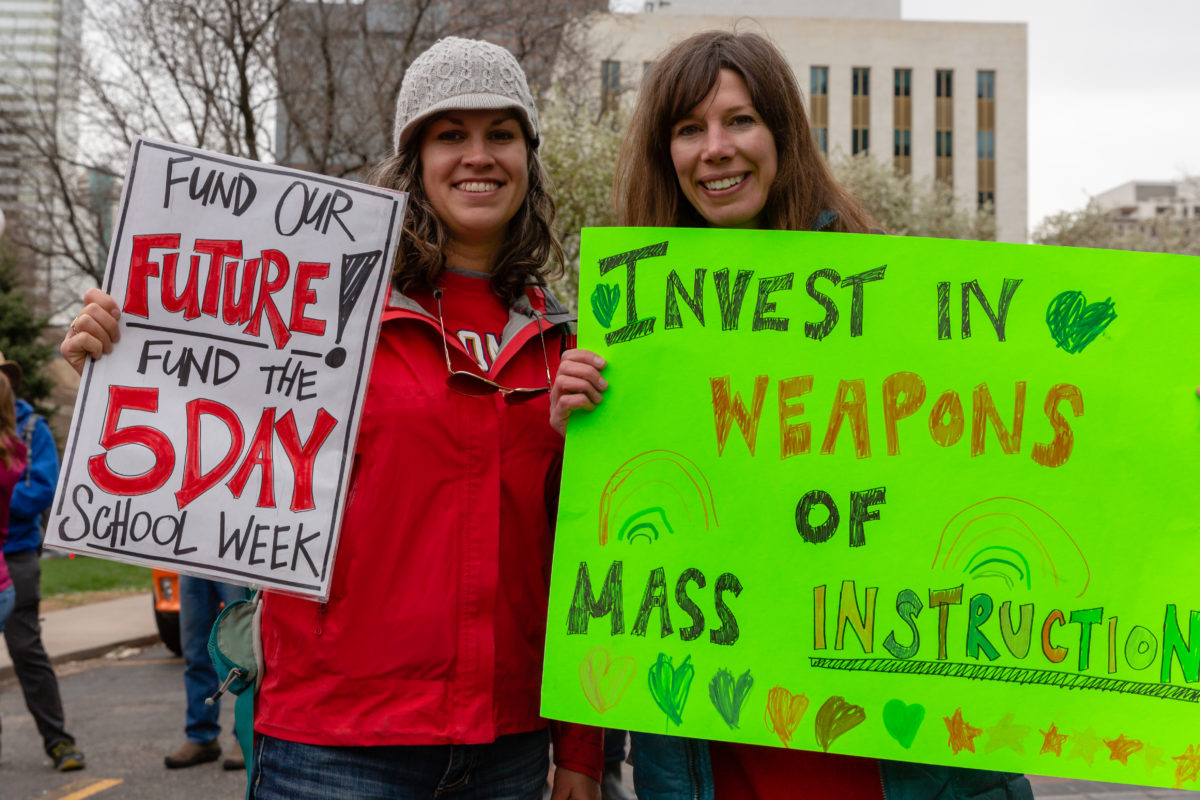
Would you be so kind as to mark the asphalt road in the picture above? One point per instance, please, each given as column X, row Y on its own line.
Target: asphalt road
column 127, row 713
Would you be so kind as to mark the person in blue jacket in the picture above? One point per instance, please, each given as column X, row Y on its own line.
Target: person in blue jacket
column 31, row 497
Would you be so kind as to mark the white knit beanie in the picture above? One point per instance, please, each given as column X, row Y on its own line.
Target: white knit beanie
column 462, row 74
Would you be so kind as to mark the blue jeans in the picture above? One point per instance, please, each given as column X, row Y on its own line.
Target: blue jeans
column 510, row 768
column 8, row 599
column 199, row 604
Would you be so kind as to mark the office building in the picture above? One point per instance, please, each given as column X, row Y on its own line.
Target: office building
column 1142, row 201
column 39, row 42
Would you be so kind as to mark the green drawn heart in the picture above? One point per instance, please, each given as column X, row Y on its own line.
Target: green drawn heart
column 903, row 721
column 728, row 695
column 669, row 685
column 1074, row 323
column 604, row 302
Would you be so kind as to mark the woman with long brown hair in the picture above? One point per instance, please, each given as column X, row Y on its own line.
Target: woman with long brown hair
column 719, row 138
column 802, row 193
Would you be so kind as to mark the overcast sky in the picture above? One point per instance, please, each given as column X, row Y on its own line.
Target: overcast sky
column 1114, row 90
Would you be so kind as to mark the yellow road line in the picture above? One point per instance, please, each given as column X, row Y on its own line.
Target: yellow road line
column 89, row 788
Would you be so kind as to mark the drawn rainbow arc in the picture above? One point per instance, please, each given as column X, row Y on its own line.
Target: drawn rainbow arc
column 642, row 492
column 1013, row 542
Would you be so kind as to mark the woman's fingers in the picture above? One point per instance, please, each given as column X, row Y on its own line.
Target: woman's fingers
column 578, row 385
column 99, row 317
column 93, row 332
column 592, row 385
column 579, row 373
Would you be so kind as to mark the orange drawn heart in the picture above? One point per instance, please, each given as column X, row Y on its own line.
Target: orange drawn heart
column 784, row 712
column 604, row 679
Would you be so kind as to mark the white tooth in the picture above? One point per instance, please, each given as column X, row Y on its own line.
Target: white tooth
column 478, row 186
column 724, row 183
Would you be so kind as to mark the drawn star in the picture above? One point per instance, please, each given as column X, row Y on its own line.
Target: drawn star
column 962, row 733
column 1153, row 756
column 1005, row 734
column 1121, row 748
column 1084, row 745
column 1187, row 766
column 1054, row 740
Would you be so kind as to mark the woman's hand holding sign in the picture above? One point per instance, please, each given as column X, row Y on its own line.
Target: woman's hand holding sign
column 578, row 384
column 93, row 332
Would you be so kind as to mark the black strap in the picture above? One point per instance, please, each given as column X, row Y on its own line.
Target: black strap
column 27, row 437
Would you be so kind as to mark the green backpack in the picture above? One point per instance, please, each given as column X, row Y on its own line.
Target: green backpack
column 235, row 647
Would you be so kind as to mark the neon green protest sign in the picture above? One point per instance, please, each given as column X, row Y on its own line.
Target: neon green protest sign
column 922, row 500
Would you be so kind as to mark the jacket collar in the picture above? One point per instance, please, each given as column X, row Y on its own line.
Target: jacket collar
column 538, row 307
column 537, row 301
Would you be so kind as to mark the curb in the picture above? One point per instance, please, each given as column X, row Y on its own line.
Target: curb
column 93, row 629
column 83, row 654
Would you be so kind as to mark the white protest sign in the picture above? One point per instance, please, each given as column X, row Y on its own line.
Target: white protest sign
column 217, row 437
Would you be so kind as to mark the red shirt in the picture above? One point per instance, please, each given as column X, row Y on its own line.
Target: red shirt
column 473, row 314
column 9, row 475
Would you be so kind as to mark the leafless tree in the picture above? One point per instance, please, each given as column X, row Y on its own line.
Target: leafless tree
column 311, row 83
column 340, row 65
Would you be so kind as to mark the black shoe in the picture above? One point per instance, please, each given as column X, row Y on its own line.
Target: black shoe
column 191, row 754
column 67, row 757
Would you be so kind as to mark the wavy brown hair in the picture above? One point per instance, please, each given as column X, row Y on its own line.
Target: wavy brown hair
column 8, row 422
column 646, row 190
column 531, row 251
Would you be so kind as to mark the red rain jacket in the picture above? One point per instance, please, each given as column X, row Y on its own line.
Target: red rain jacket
column 436, row 620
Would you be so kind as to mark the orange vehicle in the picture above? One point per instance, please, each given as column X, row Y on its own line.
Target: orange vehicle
column 166, row 608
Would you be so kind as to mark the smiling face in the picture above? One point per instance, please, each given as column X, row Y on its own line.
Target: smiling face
column 724, row 155
column 474, row 169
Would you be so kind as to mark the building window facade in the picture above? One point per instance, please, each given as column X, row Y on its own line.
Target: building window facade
column 985, row 125
column 818, row 94
column 943, row 126
column 860, row 110
column 902, row 116
column 610, row 85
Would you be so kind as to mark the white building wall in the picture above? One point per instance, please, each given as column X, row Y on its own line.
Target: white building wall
column 882, row 109
column 883, row 45
column 850, row 9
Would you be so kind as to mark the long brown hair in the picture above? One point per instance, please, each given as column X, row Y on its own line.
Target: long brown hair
column 646, row 190
column 531, row 252
column 8, row 423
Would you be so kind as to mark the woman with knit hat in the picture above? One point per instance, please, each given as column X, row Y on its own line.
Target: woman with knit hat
column 420, row 675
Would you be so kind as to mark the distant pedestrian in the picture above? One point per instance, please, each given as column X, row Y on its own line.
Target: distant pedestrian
column 32, row 495
column 12, row 464
column 199, row 604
